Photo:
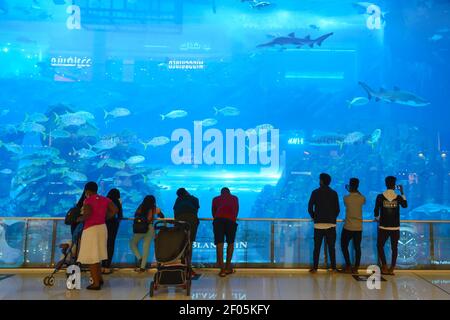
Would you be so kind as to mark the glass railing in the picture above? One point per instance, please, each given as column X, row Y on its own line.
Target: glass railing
column 265, row 243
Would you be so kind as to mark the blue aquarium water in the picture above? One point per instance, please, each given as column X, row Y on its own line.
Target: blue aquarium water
column 149, row 96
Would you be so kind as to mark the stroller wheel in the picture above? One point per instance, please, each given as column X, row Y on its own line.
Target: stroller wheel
column 49, row 281
column 91, row 281
column 152, row 289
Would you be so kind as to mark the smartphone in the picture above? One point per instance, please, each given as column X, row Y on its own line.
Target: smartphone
column 398, row 187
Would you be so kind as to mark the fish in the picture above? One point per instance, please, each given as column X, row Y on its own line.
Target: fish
column 174, row 114
column 209, row 122
column 85, row 153
column 374, row 137
column 47, row 152
column 12, row 147
column 227, row 111
column 6, row 171
column 314, row 27
column 155, row 142
column 59, row 161
column 357, row 102
column 69, row 119
column 135, row 160
column 59, row 134
column 260, row 4
column 395, row 96
column 291, row 41
column 59, row 2
column 353, row 138
column 117, row 113
column 85, row 115
column 4, row 112
column 30, row 127
column 436, row 37
column 106, row 144
column 75, row 176
column 112, row 163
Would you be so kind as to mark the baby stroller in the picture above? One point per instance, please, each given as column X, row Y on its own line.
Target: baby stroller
column 173, row 251
column 70, row 254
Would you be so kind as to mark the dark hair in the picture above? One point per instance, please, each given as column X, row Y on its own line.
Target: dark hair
column 182, row 192
column 225, row 190
column 354, row 184
column 390, row 182
column 325, row 178
column 114, row 195
column 91, row 186
column 149, row 203
column 81, row 200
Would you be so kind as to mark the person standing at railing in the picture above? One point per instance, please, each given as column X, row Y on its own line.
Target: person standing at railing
column 186, row 209
column 353, row 224
column 113, row 227
column 387, row 212
column 225, row 209
column 143, row 230
column 323, row 207
column 93, row 246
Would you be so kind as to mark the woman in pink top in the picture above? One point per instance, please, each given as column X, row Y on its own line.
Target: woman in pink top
column 93, row 247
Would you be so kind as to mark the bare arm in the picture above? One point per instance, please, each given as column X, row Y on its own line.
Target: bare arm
column 111, row 211
column 87, row 212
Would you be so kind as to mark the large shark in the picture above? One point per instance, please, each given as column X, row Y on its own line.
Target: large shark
column 395, row 96
column 292, row 41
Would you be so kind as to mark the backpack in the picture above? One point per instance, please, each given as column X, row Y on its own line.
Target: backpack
column 72, row 216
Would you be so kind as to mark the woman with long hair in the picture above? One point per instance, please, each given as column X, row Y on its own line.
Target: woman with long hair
column 146, row 211
column 113, row 227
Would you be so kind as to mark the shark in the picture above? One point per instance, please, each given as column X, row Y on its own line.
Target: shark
column 292, row 41
column 395, row 96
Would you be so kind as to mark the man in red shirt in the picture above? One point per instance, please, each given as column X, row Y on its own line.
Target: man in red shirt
column 225, row 209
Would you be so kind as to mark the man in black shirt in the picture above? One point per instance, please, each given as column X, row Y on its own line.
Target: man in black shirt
column 323, row 208
column 186, row 209
column 387, row 212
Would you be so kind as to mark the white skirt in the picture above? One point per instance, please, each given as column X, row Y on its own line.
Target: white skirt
column 93, row 246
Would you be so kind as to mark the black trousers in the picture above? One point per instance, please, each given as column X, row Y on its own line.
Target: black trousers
column 330, row 238
column 383, row 235
column 346, row 237
column 113, row 227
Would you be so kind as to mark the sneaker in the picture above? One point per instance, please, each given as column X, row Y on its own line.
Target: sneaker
column 391, row 271
column 222, row 273
column 230, row 271
column 313, row 271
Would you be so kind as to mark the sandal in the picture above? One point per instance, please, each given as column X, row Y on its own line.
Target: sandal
column 230, row 271
column 222, row 273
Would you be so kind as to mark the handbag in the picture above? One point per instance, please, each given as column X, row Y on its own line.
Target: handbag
column 140, row 224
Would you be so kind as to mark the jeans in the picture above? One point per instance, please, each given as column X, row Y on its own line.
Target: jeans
column 147, row 237
column 383, row 235
column 346, row 237
column 330, row 238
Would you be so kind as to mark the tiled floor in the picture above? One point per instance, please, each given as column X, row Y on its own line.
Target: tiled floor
column 243, row 285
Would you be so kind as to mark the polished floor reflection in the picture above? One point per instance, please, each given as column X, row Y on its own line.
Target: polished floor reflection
column 245, row 284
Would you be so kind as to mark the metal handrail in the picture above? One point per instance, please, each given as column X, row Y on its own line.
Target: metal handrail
column 239, row 219
column 272, row 221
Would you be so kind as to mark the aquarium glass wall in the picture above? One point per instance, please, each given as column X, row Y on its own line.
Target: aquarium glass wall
column 260, row 96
